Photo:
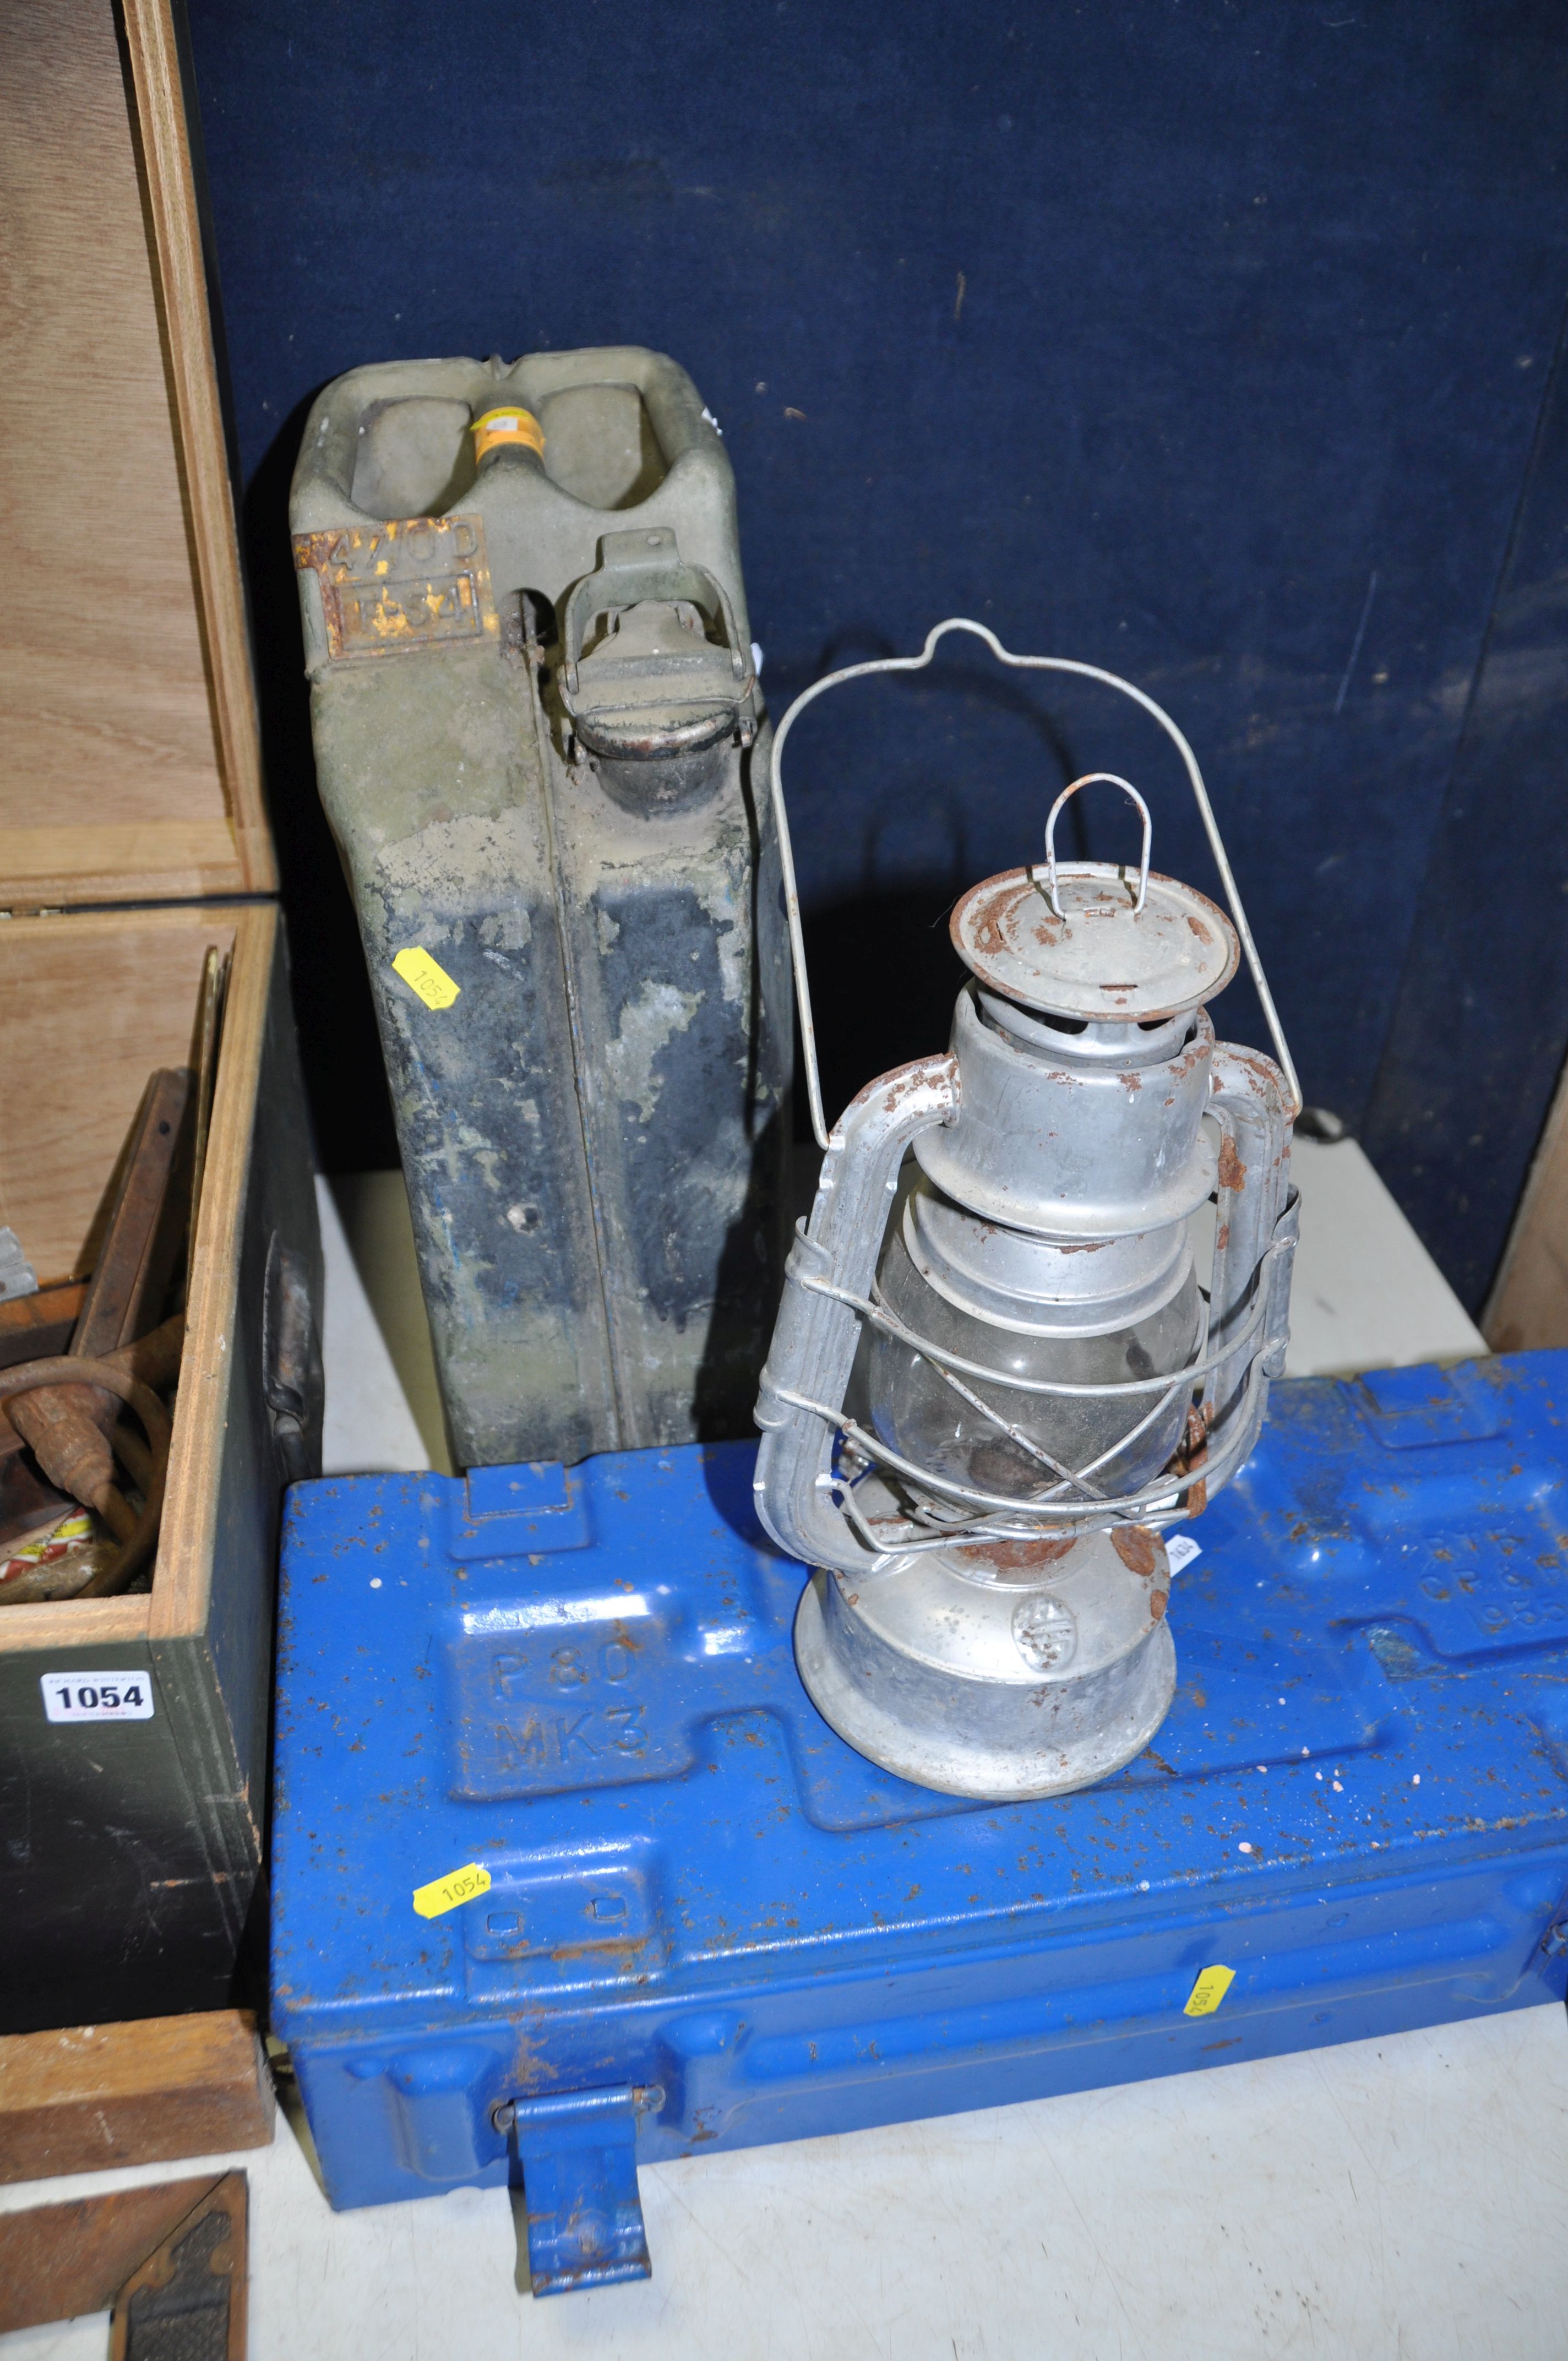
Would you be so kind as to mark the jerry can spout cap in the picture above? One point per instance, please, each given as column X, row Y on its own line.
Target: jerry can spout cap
column 643, row 677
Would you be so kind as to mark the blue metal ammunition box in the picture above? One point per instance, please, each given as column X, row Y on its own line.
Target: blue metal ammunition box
column 708, row 1923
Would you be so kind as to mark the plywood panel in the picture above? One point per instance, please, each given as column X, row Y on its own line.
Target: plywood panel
column 216, row 1408
column 89, row 1005
column 169, row 183
column 121, row 770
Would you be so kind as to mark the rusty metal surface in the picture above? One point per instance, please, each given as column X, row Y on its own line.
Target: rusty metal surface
column 67, row 1427
column 137, row 1255
column 578, row 2157
column 136, row 1529
column 1097, row 958
column 400, row 585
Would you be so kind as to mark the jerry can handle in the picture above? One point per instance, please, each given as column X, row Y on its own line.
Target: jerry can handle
column 634, row 566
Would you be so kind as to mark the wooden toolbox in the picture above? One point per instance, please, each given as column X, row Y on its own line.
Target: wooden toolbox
column 132, row 839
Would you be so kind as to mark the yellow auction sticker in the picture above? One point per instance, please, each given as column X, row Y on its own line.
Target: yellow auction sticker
column 427, row 977
column 1209, row 1991
column 457, row 1886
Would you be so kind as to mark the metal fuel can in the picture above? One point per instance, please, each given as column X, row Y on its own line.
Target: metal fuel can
column 537, row 723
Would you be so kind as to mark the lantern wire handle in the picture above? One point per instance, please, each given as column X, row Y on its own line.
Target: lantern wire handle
column 1090, row 779
column 1023, row 664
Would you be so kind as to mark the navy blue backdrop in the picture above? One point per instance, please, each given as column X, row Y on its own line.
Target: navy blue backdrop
column 1217, row 344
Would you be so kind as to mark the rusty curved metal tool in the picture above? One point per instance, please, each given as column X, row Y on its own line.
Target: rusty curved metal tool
column 134, row 1268
column 136, row 1530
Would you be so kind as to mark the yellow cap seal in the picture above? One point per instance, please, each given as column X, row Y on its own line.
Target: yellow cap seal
column 501, row 428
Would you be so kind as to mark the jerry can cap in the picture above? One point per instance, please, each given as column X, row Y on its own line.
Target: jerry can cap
column 654, row 683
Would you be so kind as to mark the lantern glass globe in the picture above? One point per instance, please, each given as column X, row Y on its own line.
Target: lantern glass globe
column 916, row 1412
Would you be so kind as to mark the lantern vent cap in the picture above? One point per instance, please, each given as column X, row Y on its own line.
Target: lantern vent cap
column 1088, row 951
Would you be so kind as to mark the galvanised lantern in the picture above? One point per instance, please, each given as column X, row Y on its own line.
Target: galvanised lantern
column 998, row 1371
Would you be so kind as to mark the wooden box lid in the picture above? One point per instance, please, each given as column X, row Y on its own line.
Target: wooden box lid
column 129, row 757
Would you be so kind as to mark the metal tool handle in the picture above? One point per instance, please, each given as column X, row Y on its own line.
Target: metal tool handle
column 1024, row 664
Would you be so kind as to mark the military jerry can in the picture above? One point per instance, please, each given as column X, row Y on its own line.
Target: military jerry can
column 540, row 743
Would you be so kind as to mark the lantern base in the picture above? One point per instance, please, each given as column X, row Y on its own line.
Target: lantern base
column 993, row 1681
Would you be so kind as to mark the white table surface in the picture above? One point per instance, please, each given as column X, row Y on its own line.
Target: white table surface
column 1400, row 2200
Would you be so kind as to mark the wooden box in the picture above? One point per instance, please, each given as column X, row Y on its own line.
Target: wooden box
column 132, row 837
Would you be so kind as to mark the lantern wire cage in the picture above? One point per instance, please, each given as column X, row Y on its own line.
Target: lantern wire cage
column 961, row 1515
column 938, row 1511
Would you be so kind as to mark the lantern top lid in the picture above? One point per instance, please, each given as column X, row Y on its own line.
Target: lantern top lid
column 1085, row 942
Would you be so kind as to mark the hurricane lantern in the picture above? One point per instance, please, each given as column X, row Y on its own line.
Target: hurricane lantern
column 1000, row 1368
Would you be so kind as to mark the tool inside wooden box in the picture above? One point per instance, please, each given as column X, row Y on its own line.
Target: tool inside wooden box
column 89, row 1363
